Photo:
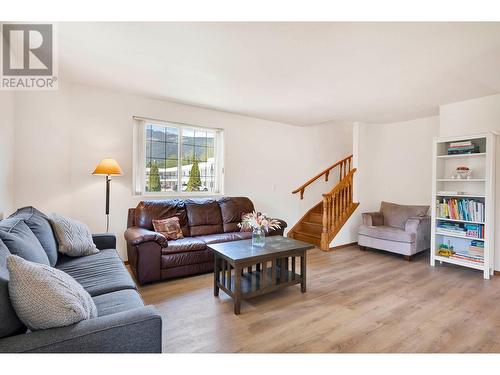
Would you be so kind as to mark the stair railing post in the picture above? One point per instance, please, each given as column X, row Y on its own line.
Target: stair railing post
column 324, row 232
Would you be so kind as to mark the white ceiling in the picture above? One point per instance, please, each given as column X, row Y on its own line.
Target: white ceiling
column 297, row 73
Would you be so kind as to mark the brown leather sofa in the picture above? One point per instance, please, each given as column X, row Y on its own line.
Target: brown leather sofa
column 203, row 222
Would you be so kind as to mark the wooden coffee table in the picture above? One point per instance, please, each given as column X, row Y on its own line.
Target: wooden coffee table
column 244, row 271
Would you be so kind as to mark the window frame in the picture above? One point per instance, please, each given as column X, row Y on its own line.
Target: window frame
column 139, row 162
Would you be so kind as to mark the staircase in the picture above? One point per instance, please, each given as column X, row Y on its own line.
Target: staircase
column 323, row 221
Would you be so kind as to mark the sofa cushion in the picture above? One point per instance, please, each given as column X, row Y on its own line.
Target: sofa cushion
column 9, row 321
column 395, row 215
column 100, row 273
column 170, row 228
column 384, row 232
column 74, row 237
column 115, row 302
column 185, row 259
column 225, row 237
column 184, row 245
column 148, row 210
column 21, row 241
column 39, row 224
column 204, row 217
column 45, row 297
column 232, row 210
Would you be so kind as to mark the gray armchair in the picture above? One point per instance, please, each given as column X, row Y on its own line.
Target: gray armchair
column 400, row 229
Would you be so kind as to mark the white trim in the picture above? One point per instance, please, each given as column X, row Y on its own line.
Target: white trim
column 139, row 157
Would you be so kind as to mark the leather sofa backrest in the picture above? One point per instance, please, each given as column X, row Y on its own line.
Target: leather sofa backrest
column 232, row 208
column 204, row 217
column 149, row 210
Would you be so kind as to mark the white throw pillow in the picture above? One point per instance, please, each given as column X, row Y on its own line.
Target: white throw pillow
column 45, row 297
column 74, row 237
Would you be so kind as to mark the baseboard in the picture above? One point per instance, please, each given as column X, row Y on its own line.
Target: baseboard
column 342, row 246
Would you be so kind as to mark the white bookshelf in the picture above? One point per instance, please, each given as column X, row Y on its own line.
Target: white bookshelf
column 480, row 188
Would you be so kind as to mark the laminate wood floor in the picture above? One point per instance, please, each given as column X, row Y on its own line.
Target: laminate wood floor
column 357, row 301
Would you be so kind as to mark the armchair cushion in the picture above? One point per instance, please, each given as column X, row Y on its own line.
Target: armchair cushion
column 373, row 218
column 395, row 215
column 386, row 233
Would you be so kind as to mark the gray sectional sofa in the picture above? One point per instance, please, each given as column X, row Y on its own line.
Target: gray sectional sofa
column 124, row 324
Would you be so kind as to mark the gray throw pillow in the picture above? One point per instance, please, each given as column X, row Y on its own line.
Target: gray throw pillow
column 45, row 297
column 74, row 237
column 9, row 321
column 39, row 224
column 20, row 240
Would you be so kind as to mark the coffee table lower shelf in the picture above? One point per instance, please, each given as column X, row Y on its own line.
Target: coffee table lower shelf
column 244, row 281
column 253, row 284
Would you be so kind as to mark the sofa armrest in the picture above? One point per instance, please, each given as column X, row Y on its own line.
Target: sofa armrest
column 133, row 331
column 373, row 218
column 415, row 224
column 137, row 235
column 104, row 240
column 278, row 231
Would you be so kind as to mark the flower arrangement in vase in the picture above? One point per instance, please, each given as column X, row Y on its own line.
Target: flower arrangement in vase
column 259, row 223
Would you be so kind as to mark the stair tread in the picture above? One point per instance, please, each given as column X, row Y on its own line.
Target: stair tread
column 302, row 233
column 311, row 223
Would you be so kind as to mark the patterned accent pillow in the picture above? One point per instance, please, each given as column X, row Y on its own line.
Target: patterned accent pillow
column 45, row 297
column 170, row 228
column 74, row 237
column 242, row 228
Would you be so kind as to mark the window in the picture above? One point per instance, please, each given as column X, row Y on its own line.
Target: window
column 171, row 158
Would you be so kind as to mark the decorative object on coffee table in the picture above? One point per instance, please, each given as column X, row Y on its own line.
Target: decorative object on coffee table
column 108, row 168
column 259, row 223
column 232, row 259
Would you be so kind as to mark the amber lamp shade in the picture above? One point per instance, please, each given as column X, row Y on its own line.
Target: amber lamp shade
column 107, row 167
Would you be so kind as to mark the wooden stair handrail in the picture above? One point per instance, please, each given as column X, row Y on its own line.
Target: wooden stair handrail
column 345, row 181
column 345, row 167
column 336, row 207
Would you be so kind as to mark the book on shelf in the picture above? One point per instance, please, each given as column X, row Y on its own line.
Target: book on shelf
column 460, row 209
column 460, row 144
column 465, row 147
column 461, row 229
column 450, row 192
column 468, row 259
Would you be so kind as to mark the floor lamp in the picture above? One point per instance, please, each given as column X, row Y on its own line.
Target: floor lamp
column 108, row 168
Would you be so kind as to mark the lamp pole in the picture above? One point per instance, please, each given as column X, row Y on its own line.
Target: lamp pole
column 108, row 168
column 108, row 183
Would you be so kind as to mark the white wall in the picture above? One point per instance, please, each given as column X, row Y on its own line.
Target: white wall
column 394, row 165
column 62, row 135
column 472, row 117
column 6, row 153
